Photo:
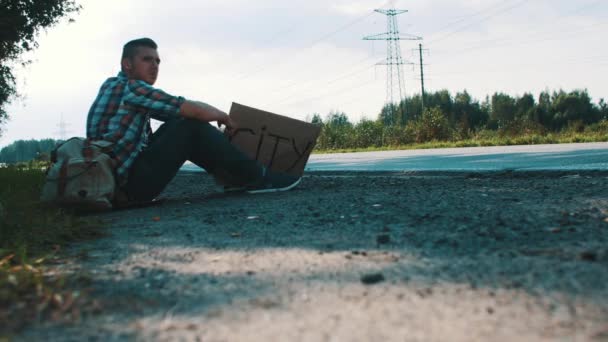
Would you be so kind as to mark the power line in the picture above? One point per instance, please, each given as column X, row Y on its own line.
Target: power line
column 506, row 42
column 464, row 18
column 293, row 83
column 310, row 45
column 330, row 82
column 310, row 84
column 339, row 91
column 551, row 31
column 503, row 10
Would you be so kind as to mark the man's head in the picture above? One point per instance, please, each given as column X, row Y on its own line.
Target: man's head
column 140, row 60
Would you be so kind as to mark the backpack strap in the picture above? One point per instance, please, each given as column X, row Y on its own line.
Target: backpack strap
column 62, row 180
column 87, row 151
column 63, row 175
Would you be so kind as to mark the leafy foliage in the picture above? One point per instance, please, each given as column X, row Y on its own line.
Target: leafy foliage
column 26, row 150
column 498, row 118
column 433, row 125
column 31, row 235
column 20, row 23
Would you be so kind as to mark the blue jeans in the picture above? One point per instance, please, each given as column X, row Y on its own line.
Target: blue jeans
column 180, row 140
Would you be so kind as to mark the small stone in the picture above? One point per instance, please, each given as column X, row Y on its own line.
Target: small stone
column 588, row 256
column 373, row 278
column 383, row 239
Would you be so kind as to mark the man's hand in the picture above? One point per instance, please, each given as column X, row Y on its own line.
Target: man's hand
column 227, row 121
column 204, row 112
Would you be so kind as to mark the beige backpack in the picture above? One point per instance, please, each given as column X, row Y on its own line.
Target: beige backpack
column 81, row 176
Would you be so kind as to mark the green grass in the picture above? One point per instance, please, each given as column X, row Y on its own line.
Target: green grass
column 492, row 140
column 32, row 236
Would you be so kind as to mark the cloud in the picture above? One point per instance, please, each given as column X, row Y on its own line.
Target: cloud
column 301, row 57
column 354, row 8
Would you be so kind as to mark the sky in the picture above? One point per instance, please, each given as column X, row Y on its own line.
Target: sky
column 301, row 57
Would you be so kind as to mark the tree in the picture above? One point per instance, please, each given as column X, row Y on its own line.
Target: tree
column 575, row 106
column 441, row 99
column 503, row 109
column 603, row 107
column 367, row 133
column 432, row 125
column 390, row 114
column 467, row 113
column 26, row 150
column 20, row 23
column 316, row 119
column 413, row 107
column 336, row 132
column 524, row 107
column 542, row 113
column 337, row 119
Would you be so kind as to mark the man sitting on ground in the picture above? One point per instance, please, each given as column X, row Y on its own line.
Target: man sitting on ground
column 146, row 161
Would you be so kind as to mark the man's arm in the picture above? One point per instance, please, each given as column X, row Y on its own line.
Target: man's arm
column 163, row 106
column 203, row 112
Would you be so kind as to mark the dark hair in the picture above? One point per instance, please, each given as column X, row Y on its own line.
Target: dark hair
column 130, row 49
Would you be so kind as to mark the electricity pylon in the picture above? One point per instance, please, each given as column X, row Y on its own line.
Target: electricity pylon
column 63, row 129
column 395, row 80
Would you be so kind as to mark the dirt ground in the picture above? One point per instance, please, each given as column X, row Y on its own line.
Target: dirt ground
column 409, row 256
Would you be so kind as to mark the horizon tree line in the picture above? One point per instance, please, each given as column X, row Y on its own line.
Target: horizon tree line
column 445, row 117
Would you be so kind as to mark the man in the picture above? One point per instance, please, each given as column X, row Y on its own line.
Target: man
column 145, row 161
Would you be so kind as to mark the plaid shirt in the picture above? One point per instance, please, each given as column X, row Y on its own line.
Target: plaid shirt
column 121, row 114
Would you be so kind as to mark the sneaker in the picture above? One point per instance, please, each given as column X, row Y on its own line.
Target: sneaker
column 274, row 182
column 231, row 189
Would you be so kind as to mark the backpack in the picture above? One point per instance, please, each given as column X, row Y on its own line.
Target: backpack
column 81, row 176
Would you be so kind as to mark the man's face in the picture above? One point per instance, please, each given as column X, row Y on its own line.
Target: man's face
column 144, row 66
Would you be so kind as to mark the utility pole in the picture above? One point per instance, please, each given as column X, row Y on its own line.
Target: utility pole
column 63, row 128
column 395, row 84
column 421, row 77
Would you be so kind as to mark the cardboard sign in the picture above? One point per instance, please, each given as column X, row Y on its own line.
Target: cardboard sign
column 281, row 143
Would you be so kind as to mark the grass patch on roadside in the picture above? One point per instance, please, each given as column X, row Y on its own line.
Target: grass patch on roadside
column 31, row 237
column 492, row 140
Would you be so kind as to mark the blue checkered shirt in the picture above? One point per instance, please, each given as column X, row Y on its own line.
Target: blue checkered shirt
column 121, row 114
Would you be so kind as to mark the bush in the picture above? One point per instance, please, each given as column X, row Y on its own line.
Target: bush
column 600, row 127
column 367, row 133
column 433, row 125
column 519, row 127
column 399, row 136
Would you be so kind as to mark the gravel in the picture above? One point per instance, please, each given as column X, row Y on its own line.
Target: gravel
column 404, row 256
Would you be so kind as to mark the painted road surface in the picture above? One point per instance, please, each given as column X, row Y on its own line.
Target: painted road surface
column 589, row 156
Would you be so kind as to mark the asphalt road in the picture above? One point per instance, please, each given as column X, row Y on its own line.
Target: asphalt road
column 349, row 256
column 589, row 156
column 425, row 255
